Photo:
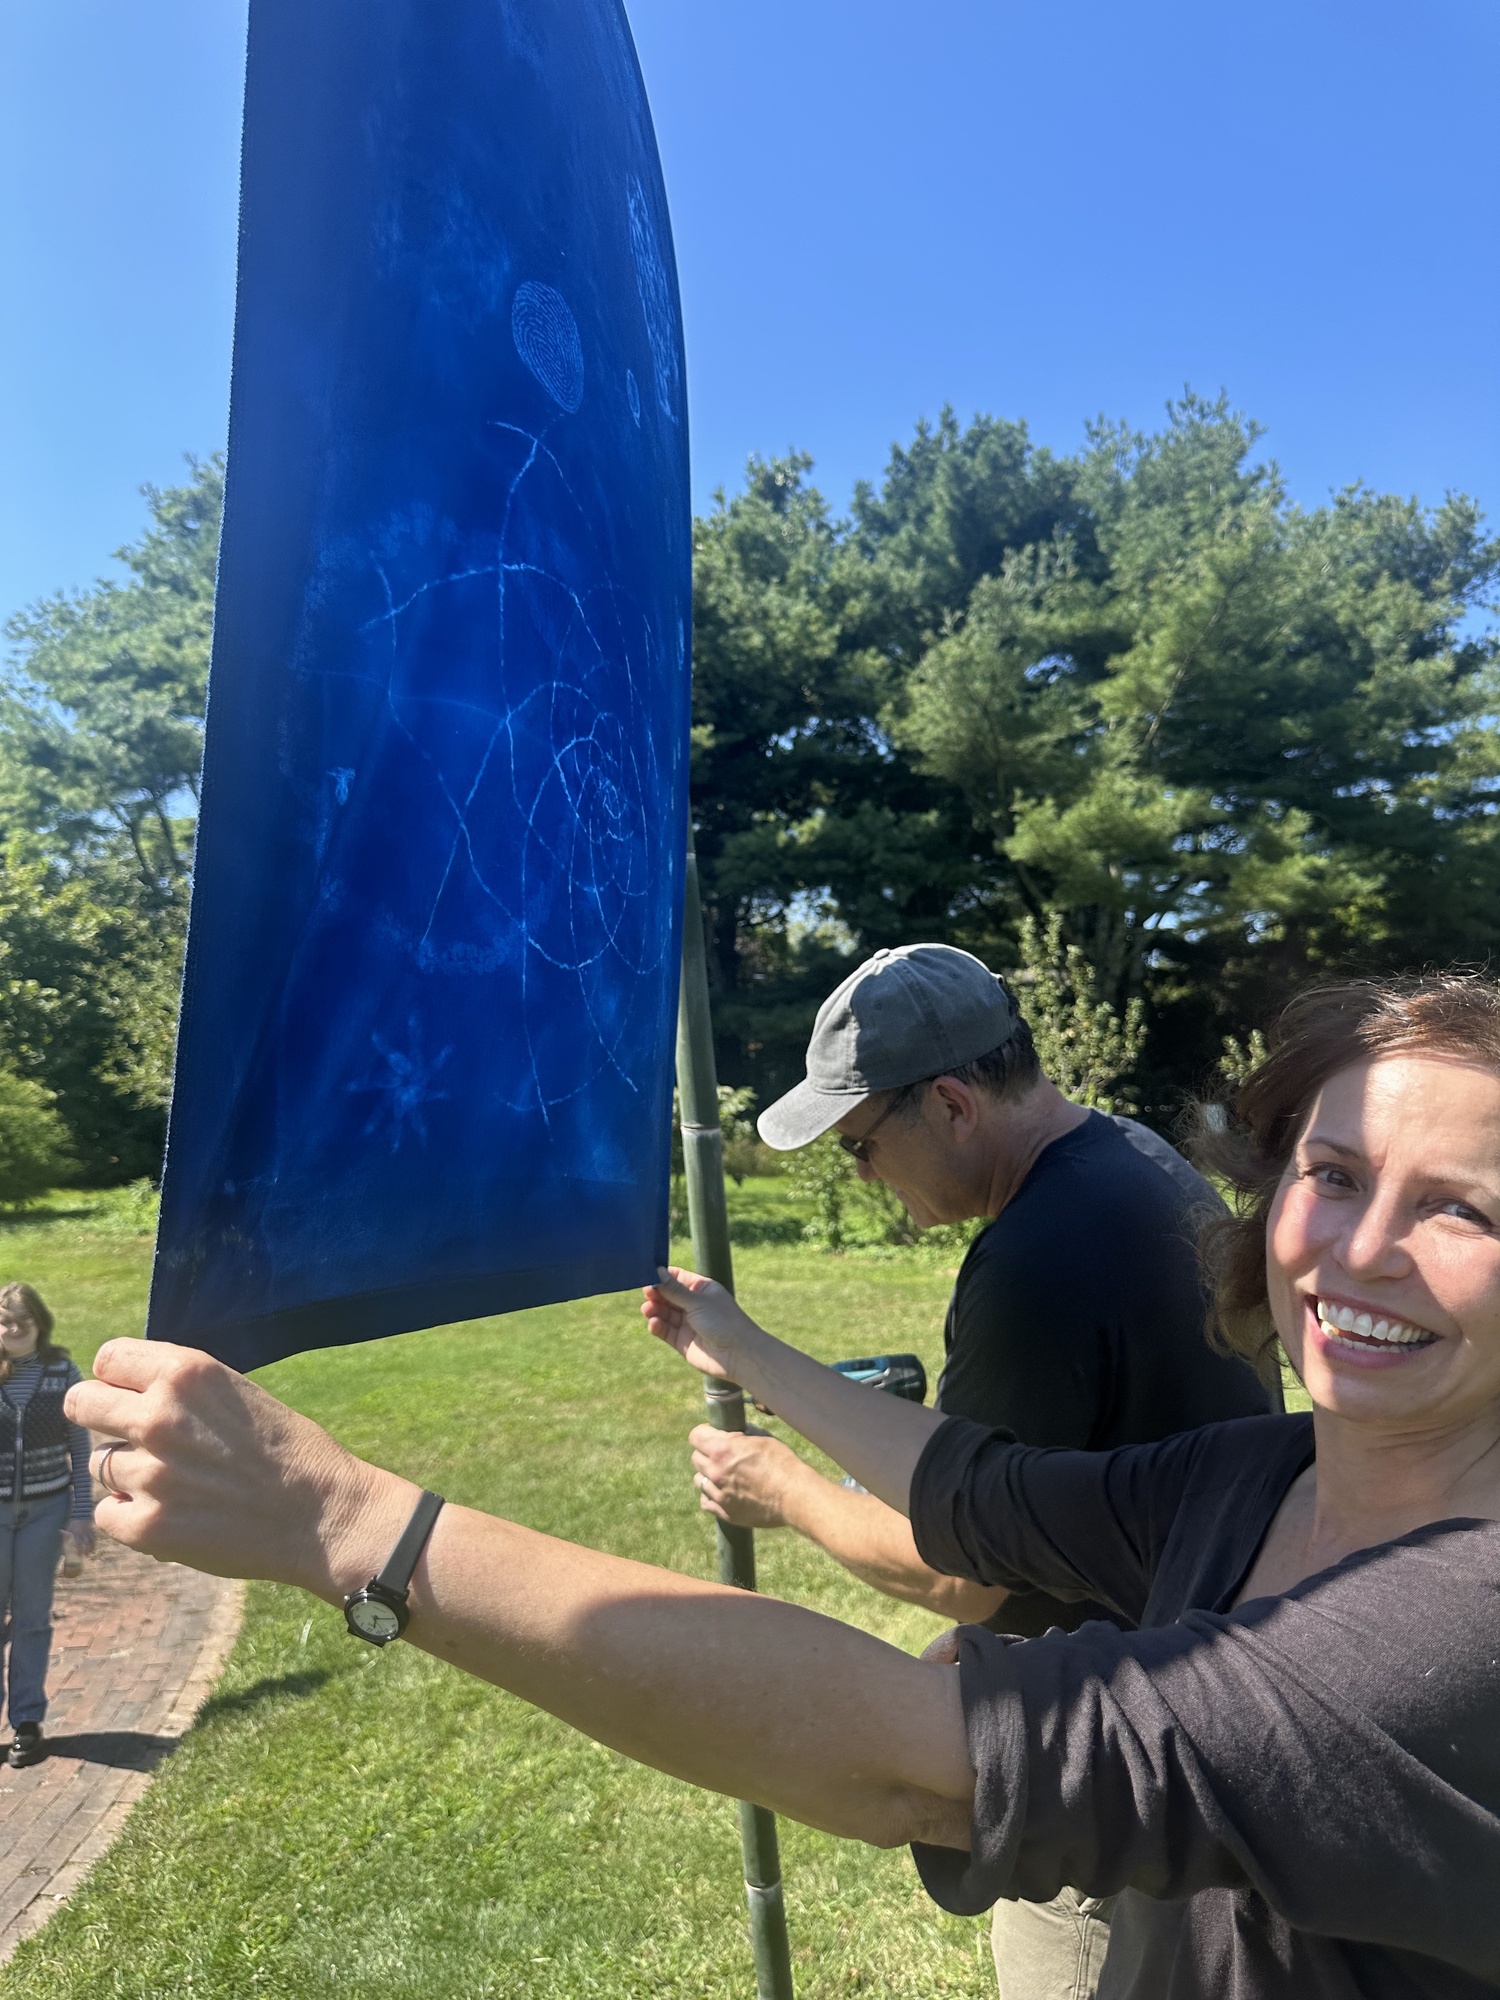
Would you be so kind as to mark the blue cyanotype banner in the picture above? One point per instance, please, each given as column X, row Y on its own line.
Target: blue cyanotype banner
column 424, row 1069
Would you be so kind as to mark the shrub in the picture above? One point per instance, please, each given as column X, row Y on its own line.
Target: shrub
column 130, row 1210
column 823, row 1176
column 1084, row 1045
column 34, row 1150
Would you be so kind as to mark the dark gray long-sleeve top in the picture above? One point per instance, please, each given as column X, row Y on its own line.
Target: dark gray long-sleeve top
column 1298, row 1797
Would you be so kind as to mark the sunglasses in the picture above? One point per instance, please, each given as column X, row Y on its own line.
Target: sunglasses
column 859, row 1149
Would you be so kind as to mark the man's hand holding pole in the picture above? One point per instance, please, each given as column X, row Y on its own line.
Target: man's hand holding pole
column 750, row 1480
column 878, row 1439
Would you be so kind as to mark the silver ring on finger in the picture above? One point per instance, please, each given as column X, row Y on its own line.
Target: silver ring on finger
column 101, row 1470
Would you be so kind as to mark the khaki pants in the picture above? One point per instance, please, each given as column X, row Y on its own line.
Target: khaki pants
column 1051, row 1951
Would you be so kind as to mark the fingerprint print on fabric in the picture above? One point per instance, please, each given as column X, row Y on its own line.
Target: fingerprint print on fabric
column 656, row 301
column 546, row 336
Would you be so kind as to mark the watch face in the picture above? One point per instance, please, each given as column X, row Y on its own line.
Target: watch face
column 373, row 1620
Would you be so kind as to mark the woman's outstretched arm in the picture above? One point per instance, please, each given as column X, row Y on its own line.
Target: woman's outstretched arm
column 876, row 1438
column 737, row 1693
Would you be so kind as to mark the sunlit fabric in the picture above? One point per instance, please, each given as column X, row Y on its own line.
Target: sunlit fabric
column 424, row 1068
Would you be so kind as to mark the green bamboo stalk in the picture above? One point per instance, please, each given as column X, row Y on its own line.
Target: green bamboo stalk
column 708, row 1220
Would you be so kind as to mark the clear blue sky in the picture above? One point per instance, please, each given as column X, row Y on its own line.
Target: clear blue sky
column 1039, row 210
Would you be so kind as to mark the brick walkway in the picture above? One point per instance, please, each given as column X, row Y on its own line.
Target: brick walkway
column 137, row 1645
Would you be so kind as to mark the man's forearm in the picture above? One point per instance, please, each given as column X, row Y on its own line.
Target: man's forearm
column 875, row 1543
column 879, row 1439
column 876, row 1438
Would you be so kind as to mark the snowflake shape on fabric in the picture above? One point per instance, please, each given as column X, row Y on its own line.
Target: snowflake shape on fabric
column 402, row 1087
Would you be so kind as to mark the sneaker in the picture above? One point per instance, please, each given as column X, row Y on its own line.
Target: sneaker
column 27, row 1746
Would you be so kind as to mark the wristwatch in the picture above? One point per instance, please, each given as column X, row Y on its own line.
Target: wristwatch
column 379, row 1611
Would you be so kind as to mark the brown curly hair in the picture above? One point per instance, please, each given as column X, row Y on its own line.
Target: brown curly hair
column 1321, row 1032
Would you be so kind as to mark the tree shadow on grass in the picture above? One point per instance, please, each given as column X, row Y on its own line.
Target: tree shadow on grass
column 308, row 1681
column 41, row 1217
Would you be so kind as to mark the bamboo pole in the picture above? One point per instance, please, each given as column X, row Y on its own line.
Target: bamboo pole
column 708, row 1220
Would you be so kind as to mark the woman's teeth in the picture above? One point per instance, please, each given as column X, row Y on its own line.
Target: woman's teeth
column 1370, row 1331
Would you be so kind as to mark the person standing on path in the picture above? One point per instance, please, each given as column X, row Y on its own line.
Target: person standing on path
column 45, row 1494
column 1077, row 1320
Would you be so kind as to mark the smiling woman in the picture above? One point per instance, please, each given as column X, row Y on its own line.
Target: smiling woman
column 1317, row 1126
column 1287, row 1771
column 1368, row 1165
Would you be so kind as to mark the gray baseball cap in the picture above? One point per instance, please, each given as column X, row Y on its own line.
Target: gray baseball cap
column 901, row 1016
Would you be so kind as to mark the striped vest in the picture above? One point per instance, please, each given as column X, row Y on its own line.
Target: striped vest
column 35, row 1448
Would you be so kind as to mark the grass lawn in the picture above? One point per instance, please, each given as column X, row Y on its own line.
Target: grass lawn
column 344, row 1822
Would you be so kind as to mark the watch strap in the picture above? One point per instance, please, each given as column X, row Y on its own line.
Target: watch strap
column 403, row 1558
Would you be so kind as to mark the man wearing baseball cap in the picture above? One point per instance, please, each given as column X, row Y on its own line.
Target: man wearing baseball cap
column 1077, row 1318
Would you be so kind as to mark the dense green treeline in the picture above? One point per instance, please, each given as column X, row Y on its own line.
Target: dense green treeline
column 1231, row 742
column 1222, row 741
column 101, row 735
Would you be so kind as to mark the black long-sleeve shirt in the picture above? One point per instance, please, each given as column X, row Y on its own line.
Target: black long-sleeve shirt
column 1078, row 1314
column 1299, row 1797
